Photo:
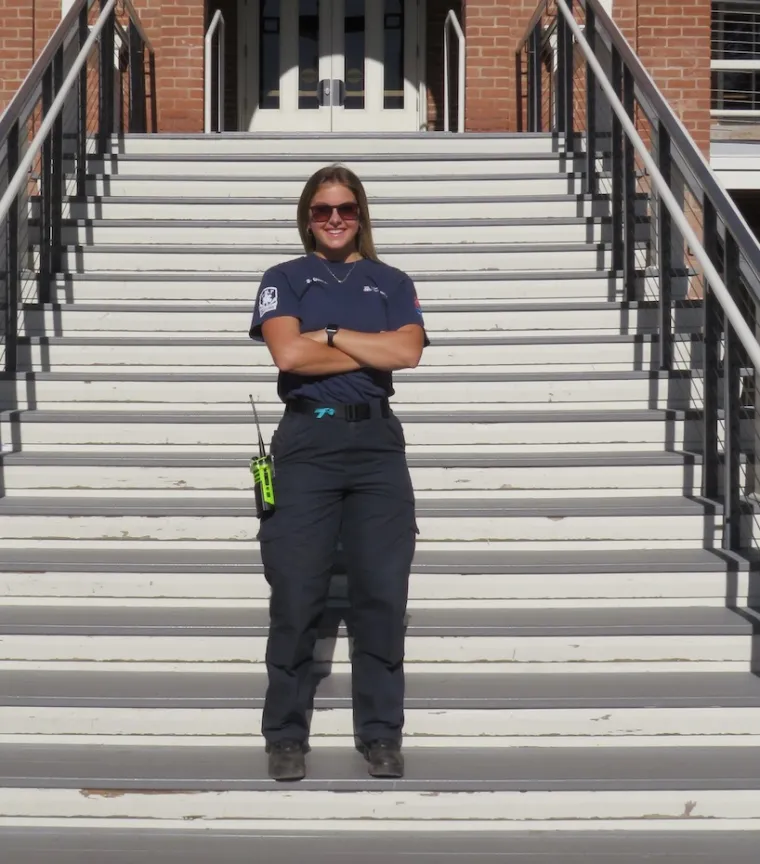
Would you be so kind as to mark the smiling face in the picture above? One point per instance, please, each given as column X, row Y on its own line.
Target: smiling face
column 334, row 222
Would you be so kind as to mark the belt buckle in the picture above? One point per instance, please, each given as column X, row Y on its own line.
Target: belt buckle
column 354, row 413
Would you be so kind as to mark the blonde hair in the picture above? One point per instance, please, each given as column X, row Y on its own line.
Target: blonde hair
column 341, row 175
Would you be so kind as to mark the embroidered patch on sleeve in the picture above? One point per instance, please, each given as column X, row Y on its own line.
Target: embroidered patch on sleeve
column 267, row 300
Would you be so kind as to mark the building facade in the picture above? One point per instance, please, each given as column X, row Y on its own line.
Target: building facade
column 369, row 65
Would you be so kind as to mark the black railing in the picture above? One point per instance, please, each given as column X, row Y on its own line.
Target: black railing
column 679, row 248
column 95, row 78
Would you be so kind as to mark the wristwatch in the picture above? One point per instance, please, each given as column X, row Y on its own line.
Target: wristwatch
column 331, row 330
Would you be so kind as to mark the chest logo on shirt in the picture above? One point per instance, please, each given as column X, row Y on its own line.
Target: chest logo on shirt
column 315, row 279
column 268, row 300
column 373, row 289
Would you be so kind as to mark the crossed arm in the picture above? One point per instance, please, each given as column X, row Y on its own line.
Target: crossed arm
column 309, row 353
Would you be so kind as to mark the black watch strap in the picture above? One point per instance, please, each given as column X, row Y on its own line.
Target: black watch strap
column 331, row 330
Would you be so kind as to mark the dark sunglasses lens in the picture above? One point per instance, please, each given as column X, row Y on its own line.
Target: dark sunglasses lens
column 348, row 212
column 321, row 212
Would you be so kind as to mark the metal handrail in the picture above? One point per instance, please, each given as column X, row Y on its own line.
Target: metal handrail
column 20, row 176
column 56, row 41
column 217, row 22
column 718, row 286
column 453, row 21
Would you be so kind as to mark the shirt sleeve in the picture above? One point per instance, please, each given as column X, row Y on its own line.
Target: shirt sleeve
column 404, row 307
column 275, row 299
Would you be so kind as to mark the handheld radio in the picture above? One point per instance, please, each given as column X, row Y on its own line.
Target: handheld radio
column 262, row 468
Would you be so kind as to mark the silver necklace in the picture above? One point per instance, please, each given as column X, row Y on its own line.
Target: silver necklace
column 339, row 281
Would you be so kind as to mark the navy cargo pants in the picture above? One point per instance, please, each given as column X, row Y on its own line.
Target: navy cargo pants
column 337, row 479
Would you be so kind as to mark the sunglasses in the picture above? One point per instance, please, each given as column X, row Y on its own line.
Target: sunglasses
column 348, row 212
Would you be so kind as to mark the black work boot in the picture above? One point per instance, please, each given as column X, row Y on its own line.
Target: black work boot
column 286, row 760
column 384, row 757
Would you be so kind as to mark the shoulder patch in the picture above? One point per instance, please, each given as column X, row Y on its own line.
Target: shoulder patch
column 268, row 300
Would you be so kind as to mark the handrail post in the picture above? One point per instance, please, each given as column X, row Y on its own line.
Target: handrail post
column 11, row 258
column 617, row 168
column 732, row 375
column 46, row 198
column 222, row 52
column 137, row 113
column 83, row 33
column 711, row 334
column 567, row 77
column 215, row 28
column 561, row 114
column 451, row 20
column 56, row 196
column 664, row 258
column 535, row 123
column 591, row 184
column 107, row 47
column 629, row 195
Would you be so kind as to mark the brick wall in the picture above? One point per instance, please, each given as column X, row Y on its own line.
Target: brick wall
column 672, row 38
column 175, row 28
column 493, row 29
column 25, row 27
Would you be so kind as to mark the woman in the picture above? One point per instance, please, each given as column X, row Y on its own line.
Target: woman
column 337, row 322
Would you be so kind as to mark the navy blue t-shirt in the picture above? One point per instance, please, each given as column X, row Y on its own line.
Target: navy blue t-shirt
column 373, row 298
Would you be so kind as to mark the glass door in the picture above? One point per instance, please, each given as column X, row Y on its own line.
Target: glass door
column 332, row 65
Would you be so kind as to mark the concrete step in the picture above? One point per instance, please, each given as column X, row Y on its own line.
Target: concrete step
column 207, row 473
column 518, row 352
column 241, row 232
column 535, row 640
column 438, row 207
column 640, row 522
column 504, row 432
column 388, row 165
column 553, row 846
column 377, row 188
column 227, row 289
column 459, row 389
column 603, row 788
column 429, row 257
column 464, row 578
column 325, row 144
column 459, row 318
column 544, row 710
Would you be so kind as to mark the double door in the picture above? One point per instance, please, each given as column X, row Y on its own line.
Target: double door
column 331, row 65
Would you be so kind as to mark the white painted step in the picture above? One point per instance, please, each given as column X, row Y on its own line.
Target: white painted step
column 207, row 474
column 69, row 844
column 556, row 207
column 463, row 317
column 397, row 166
column 178, row 186
column 637, row 390
column 638, row 522
column 187, row 288
column 431, row 258
column 242, row 233
column 324, row 144
column 71, row 354
column 527, row 651
column 470, row 579
column 505, row 432
column 500, row 727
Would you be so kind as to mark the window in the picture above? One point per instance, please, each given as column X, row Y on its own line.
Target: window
column 736, row 59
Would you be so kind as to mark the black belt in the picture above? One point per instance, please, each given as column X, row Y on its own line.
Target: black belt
column 351, row 413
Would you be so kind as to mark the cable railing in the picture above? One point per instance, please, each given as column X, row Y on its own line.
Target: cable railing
column 95, row 78
column 680, row 252
column 209, row 91
column 452, row 23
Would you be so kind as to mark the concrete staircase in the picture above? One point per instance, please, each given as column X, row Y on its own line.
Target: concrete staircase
column 574, row 668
